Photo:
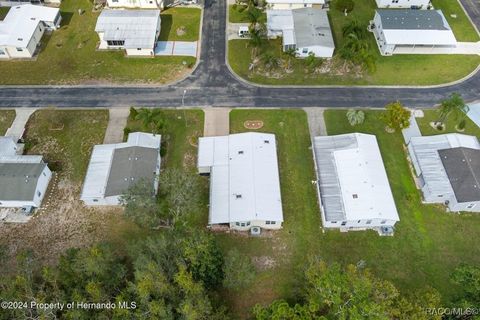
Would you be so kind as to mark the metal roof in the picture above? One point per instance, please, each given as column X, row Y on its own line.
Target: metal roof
column 18, row 181
column 304, row 27
column 244, row 178
column 129, row 165
column 296, row 1
column 408, row 19
column 426, row 159
column 463, row 170
column 21, row 21
column 110, row 165
column 352, row 180
column 312, row 28
column 138, row 28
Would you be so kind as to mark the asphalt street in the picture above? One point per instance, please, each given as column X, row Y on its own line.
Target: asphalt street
column 212, row 84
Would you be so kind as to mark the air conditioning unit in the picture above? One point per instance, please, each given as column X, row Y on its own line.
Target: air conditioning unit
column 255, row 231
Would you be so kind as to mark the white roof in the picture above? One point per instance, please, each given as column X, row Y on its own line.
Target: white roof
column 244, row 183
column 426, row 160
column 21, row 22
column 415, row 27
column 352, row 179
column 101, row 160
column 138, row 28
column 296, row 1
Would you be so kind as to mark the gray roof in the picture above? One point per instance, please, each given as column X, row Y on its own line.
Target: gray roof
column 408, row 19
column 463, row 170
column 137, row 28
column 312, row 28
column 18, row 181
column 129, row 165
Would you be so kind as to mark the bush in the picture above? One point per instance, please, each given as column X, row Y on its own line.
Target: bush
column 342, row 5
column 461, row 125
column 133, row 113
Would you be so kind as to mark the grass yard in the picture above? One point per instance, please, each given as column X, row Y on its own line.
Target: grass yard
column 237, row 14
column 180, row 24
column 6, row 119
column 65, row 138
column 69, row 56
column 461, row 25
column 393, row 70
column 429, row 243
column 432, row 116
column 3, row 12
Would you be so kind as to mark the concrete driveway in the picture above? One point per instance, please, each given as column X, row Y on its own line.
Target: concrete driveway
column 18, row 126
column 232, row 30
column 217, row 122
column 176, row 48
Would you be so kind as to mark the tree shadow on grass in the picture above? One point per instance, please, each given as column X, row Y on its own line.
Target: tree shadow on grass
column 66, row 18
column 167, row 22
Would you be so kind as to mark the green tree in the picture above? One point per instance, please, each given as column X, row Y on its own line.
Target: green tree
column 180, row 191
column 468, row 278
column 355, row 117
column 332, row 292
column 356, row 47
column 142, row 206
column 396, row 116
column 453, row 106
column 152, row 119
column 270, row 61
column 239, row 272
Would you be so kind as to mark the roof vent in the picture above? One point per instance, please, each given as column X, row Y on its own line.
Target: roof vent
column 240, row 152
column 355, row 196
column 266, row 141
column 238, row 196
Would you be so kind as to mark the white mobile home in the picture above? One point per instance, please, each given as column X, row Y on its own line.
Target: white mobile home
column 403, row 4
column 404, row 28
column 447, row 168
column 244, row 180
column 353, row 186
column 135, row 31
column 142, row 4
column 113, row 168
column 293, row 4
column 23, row 179
column 306, row 30
column 23, row 28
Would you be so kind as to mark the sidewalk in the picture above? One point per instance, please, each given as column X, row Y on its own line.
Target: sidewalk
column 117, row 121
column 18, row 126
column 217, row 122
column 316, row 122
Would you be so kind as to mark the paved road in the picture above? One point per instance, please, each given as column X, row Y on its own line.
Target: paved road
column 211, row 84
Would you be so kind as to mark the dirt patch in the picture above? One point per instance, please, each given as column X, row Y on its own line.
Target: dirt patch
column 181, row 31
column 63, row 222
column 253, row 124
column 264, row 263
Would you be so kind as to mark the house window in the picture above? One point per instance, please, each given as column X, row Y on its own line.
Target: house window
column 471, row 205
column 19, row 49
column 272, row 222
column 267, row 222
column 39, row 193
column 383, row 221
column 334, row 222
column 242, row 224
column 95, row 200
column 237, row 224
column 115, row 42
column 248, row 223
column 305, row 50
column 2, row 52
column 344, row 223
column 139, row 49
column 369, row 221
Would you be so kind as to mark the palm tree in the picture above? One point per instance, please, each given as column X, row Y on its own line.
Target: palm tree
column 152, row 119
column 455, row 106
column 355, row 117
column 291, row 53
column 270, row 61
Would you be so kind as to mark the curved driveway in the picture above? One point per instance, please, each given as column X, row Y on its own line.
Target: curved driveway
column 212, row 84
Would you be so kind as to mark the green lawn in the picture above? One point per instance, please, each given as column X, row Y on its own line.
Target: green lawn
column 181, row 24
column 429, row 243
column 6, row 119
column 432, row 116
column 65, row 138
column 3, row 12
column 69, row 56
column 461, row 26
column 393, row 70
column 288, row 247
column 237, row 14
